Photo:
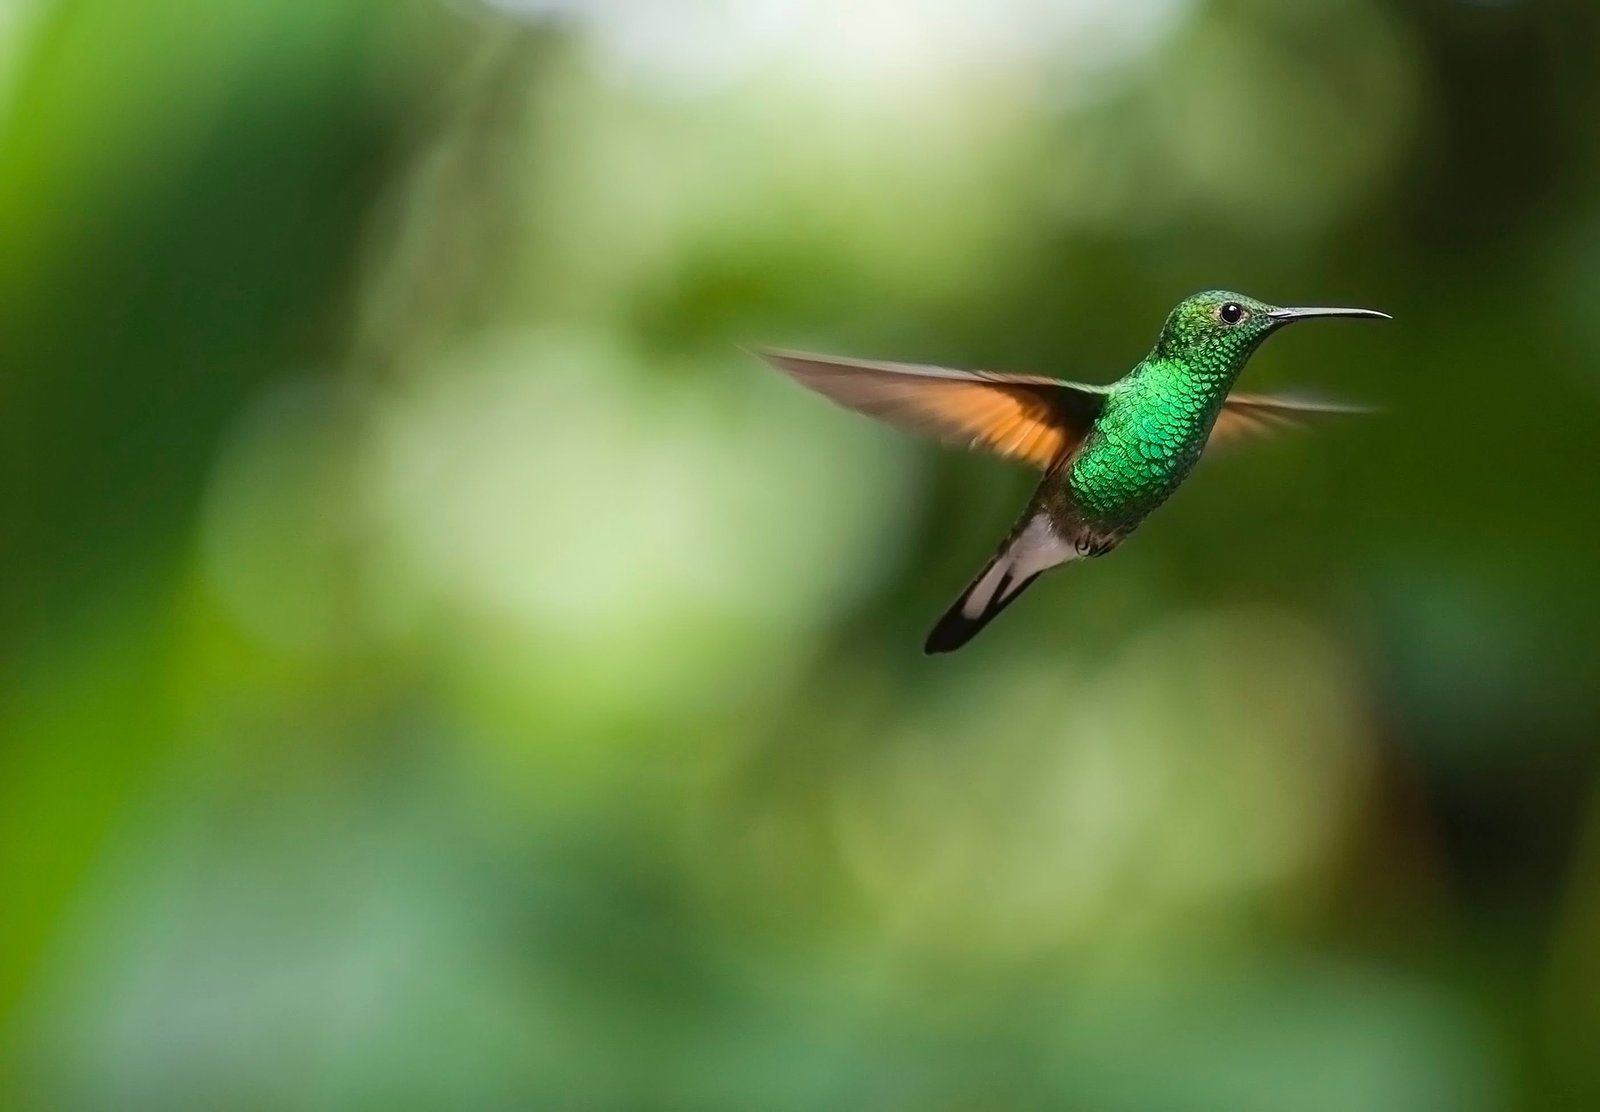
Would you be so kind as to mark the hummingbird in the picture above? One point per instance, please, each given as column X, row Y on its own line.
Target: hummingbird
column 1110, row 454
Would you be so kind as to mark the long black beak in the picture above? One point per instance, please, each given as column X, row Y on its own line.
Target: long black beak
column 1287, row 315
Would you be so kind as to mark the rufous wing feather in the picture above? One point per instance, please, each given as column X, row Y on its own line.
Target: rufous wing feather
column 1249, row 416
column 1024, row 417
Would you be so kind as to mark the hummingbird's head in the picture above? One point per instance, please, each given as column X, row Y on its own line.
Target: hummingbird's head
column 1220, row 328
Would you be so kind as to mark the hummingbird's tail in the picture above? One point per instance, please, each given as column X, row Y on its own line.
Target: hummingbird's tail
column 1032, row 549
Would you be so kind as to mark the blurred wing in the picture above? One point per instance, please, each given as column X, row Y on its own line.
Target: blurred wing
column 1018, row 416
column 1250, row 416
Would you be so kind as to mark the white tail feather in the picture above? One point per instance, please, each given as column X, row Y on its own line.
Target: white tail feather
column 1032, row 549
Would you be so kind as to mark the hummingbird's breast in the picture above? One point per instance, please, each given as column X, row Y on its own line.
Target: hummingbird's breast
column 1143, row 446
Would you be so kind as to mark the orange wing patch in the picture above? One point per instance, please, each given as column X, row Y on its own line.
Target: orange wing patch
column 1032, row 419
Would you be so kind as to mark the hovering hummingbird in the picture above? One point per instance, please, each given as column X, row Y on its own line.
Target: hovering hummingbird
column 1110, row 454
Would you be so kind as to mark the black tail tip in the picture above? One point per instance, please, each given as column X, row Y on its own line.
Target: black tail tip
column 950, row 634
column 955, row 628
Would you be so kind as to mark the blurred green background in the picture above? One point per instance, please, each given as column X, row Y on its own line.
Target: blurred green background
column 442, row 670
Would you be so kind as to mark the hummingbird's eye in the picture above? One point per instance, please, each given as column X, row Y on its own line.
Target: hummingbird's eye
column 1231, row 313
